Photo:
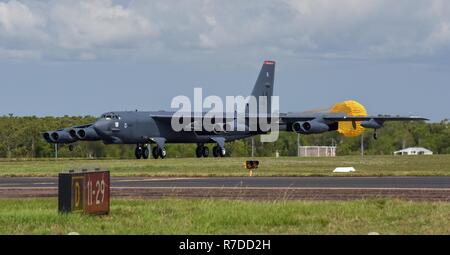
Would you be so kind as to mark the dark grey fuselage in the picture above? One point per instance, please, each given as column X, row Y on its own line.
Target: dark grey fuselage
column 139, row 127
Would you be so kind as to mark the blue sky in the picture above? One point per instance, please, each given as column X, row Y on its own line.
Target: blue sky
column 88, row 57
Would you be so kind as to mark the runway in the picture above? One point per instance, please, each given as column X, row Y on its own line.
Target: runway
column 265, row 188
column 442, row 182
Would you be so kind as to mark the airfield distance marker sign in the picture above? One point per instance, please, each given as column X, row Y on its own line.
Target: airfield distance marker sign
column 86, row 191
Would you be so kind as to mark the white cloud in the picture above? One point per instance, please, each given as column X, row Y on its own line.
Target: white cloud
column 15, row 16
column 210, row 20
column 87, row 24
column 17, row 21
column 372, row 28
column 95, row 29
column 206, row 41
column 440, row 36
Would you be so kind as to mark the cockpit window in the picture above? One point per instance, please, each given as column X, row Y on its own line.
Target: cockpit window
column 110, row 116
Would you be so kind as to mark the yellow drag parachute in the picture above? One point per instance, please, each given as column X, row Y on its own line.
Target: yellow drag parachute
column 351, row 108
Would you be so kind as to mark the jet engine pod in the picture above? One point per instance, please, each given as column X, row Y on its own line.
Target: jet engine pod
column 351, row 108
column 310, row 127
column 48, row 137
column 87, row 134
column 73, row 133
column 61, row 136
column 297, row 126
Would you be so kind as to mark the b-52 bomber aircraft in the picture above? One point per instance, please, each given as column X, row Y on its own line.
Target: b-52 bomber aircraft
column 144, row 128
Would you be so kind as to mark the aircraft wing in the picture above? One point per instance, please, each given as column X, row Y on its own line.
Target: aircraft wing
column 337, row 117
column 376, row 118
column 83, row 126
column 321, row 122
column 162, row 118
column 290, row 118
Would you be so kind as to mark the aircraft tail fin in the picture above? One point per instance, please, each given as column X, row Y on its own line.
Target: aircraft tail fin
column 264, row 84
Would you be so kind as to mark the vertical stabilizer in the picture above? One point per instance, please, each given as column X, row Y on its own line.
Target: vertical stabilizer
column 264, row 84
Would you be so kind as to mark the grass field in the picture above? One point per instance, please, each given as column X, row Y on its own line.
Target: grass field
column 169, row 216
column 283, row 166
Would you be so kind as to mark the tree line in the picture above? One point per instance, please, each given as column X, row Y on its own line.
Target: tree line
column 21, row 137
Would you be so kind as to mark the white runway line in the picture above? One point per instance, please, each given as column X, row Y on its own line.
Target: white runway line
column 286, row 188
column 9, row 184
column 155, row 179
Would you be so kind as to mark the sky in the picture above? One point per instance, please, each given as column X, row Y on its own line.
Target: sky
column 86, row 57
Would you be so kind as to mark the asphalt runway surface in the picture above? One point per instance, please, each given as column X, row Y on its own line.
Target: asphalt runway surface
column 431, row 188
column 434, row 182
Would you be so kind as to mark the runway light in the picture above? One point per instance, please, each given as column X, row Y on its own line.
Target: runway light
column 250, row 165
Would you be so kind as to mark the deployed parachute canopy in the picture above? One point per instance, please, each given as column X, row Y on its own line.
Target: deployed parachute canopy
column 351, row 108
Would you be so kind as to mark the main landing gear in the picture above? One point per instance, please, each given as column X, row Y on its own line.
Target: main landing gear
column 203, row 151
column 143, row 151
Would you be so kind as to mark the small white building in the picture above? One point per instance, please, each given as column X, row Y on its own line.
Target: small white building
column 414, row 151
column 317, row 151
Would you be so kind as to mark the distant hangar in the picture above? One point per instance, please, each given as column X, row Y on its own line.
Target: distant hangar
column 414, row 151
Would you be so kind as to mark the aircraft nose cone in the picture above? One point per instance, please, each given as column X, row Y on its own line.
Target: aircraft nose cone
column 102, row 126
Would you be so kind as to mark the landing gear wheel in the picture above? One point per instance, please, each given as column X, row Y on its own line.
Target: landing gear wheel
column 199, row 151
column 216, row 152
column 155, row 152
column 205, row 151
column 138, row 152
column 162, row 153
column 145, row 152
column 222, row 152
column 375, row 135
column 70, row 147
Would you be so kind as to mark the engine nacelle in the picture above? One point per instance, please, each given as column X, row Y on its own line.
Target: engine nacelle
column 61, row 136
column 87, row 134
column 310, row 127
column 73, row 133
column 48, row 137
column 372, row 123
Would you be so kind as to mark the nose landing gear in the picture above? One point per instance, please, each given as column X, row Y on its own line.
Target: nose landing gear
column 145, row 152
column 138, row 152
column 202, row 151
column 142, row 151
